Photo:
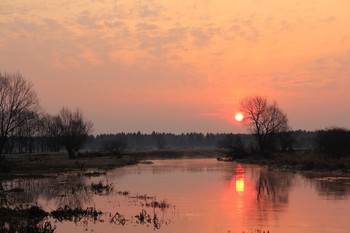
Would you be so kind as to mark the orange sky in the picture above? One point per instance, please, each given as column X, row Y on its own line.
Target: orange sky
column 180, row 66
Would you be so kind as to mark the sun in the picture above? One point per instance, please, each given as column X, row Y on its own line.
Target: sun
column 239, row 116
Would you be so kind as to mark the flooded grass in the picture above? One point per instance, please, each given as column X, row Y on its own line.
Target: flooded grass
column 21, row 219
column 143, row 197
column 101, row 189
column 256, row 231
column 161, row 205
column 144, row 218
column 13, row 214
column 33, row 219
column 123, row 193
column 46, row 165
column 95, row 174
column 75, row 215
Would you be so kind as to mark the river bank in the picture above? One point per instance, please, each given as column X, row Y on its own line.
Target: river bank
column 303, row 161
column 40, row 165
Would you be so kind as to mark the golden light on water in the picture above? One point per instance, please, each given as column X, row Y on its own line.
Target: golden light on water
column 240, row 185
column 239, row 179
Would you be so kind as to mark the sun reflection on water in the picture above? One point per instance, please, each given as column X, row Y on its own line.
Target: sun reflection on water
column 239, row 179
column 240, row 185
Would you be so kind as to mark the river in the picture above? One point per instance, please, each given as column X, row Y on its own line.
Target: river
column 198, row 195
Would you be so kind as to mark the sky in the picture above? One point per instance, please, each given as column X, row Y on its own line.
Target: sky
column 181, row 66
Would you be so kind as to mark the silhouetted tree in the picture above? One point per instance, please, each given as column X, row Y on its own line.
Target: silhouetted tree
column 285, row 140
column 114, row 145
column 265, row 119
column 233, row 145
column 159, row 140
column 49, row 133
column 74, row 130
column 18, row 105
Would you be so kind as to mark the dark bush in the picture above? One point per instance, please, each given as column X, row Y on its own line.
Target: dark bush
column 233, row 146
column 335, row 142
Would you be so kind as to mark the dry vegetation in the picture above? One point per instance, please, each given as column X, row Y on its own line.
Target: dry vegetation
column 38, row 165
column 48, row 164
column 302, row 161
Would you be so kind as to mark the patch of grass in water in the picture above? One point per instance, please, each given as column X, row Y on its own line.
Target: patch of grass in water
column 143, row 197
column 101, row 189
column 144, row 218
column 76, row 214
column 95, row 174
column 123, row 193
column 161, row 205
column 256, row 231
column 27, row 219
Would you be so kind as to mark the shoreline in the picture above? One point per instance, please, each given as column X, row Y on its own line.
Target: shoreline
column 52, row 164
column 305, row 162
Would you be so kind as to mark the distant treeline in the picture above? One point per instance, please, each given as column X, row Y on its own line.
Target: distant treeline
column 301, row 140
column 115, row 143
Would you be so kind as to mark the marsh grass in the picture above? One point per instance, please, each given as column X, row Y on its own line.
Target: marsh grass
column 145, row 218
column 101, row 189
column 46, row 165
column 94, row 174
column 256, row 231
column 301, row 161
column 75, row 215
column 123, row 193
column 24, row 219
column 161, row 205
column 35, row 220
column 143, row 197
column 311, row 161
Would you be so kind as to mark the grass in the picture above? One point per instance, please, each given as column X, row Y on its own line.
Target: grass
column 94, row 174
column 74, row 215
column 34, row 219
column 101, row 189
column 46, row 165
column 307, row 161
column 161, row 205
column 123, row 193
column 144, row 218
column 256, row 231
column 143, row 197
column 49, row 164
column 21, row 219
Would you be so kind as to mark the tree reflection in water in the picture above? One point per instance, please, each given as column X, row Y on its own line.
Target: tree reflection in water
column 333, row 188
column 273, row 189
column 67, row 190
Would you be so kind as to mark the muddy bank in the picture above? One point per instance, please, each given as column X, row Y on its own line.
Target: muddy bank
column 41, row 165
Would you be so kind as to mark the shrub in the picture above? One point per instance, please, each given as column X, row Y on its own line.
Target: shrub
column 334, row 142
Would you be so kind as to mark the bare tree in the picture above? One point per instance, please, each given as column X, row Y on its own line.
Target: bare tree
column 49, row 133
column 18, row 105
column 74, row 130
column 265, row 120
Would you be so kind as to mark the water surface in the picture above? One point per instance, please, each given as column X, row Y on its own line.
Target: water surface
column 204, row 195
